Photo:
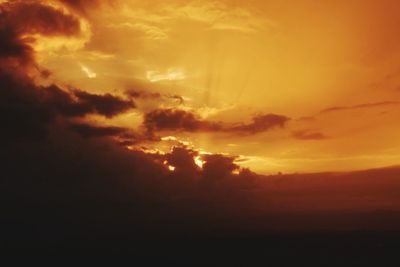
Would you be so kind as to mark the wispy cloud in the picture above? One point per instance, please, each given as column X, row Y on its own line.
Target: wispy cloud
column 360, row 106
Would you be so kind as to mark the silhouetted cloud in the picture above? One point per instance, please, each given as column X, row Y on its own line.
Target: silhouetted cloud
column 182, row 159
column 106, row 105
column 262, row 123
column 40, row 143
column 136, row 94
column 142, row 94
column 58, row 186
column 218, row 166
column 18, row 18
column 178, row 120
column 27, row 109
column 181, row 120
column 88, row 131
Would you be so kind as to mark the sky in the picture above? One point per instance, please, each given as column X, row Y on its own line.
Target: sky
column 330, row 68
column 128, row 119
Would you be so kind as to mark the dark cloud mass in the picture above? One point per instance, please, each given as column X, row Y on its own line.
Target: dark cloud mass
column 27, row 109
column 136, row 94
column 87, row 131
column 19, row 18
column 60, row 189
column 175, row 119
column 142, row 94
column 181, row 120
column 262, row 123
column 218, row 166
column 53, row 169
column 106, row 105
column 33, row 17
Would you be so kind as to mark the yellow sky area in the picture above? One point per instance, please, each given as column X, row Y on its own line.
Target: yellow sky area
column 233, row 59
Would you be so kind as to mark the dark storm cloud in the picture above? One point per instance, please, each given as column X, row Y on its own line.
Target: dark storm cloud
column 23, row 112
column 18, row 18
column 33, row 17
column 11, row 46
column 88, row 131
column 79, row 103
column 53, row 172
column 308, row 135
column 59, row 189
column 50, row 159
column 27, row 109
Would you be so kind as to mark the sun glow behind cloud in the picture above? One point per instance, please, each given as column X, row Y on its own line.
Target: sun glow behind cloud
column 89, row 73
column 169, row 75
column 199, row 161
column 160, row 118
column 228, row 63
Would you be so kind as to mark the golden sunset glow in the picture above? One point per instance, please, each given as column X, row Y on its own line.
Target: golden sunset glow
column 329, row 70
column 171, row 168
column 199, row 161
column 262, row 130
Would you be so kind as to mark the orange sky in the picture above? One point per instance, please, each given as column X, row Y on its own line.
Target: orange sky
column 332, row 68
